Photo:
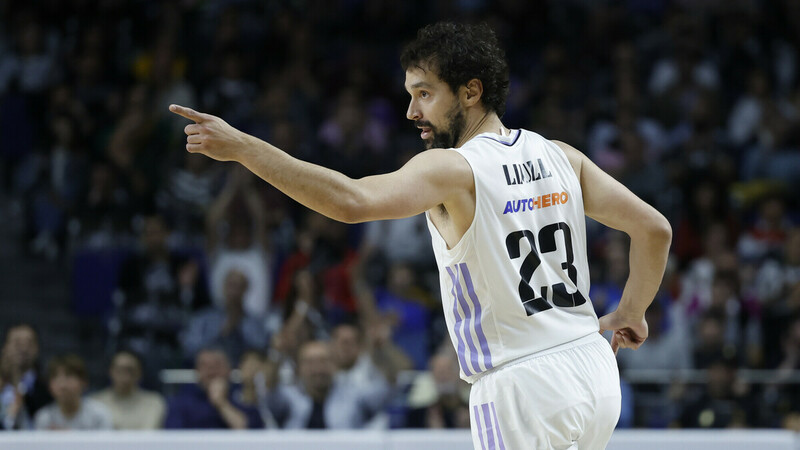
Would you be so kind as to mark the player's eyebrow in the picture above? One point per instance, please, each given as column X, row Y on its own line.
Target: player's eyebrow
column 419, row 84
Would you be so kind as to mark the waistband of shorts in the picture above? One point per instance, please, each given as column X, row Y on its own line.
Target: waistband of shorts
column 585, row 340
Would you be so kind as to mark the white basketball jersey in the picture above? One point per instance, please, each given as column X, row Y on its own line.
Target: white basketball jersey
column 517, row 282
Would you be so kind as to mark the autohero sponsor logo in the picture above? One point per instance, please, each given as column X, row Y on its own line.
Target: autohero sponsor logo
column 534, row 203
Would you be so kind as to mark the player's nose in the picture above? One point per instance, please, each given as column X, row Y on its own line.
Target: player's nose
column 413, row 112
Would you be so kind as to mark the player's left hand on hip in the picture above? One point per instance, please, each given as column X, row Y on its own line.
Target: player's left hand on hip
column 628, row 332
column 212, row 136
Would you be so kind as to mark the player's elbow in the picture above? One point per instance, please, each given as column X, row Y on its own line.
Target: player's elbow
column 659, row 230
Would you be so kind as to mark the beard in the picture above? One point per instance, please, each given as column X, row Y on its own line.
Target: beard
column 448, row 136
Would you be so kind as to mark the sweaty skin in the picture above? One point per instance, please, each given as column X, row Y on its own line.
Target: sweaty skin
column 441, row 182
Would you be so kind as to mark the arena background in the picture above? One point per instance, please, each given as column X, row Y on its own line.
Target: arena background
column 113, row 237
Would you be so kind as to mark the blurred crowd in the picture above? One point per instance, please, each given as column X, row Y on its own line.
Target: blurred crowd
column 693, row 104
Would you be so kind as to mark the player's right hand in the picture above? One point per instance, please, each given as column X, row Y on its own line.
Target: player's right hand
column 212, row 136
column 629, row 332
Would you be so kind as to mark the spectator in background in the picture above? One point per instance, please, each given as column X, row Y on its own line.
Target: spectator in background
column 782, row 399
column 669, row 350
column 227, row 328
column 607, row 292
column 301, row 320
column 320, row 400
column 405, row 305
column 105, row 210
column 669, row 347
column 778, row 289
column 132, row 408
column 767, row 236
column 402, row 240
column 237, row 238
column 13, row 414
column 158, row 291
column 68, row 380
column 750, row 111
column 707, row 205
column 211, row 403
column 33, row 63
column 384, row 311
column 354, row 364
column 724, row 402
column 188, row 193
column 258, row 376
column 709, row 342
column 63, row 173
column 438, row 398
column 20, row 364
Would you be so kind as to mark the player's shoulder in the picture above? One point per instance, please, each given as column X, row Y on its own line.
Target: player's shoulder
column 440, row 158
column 574, row 156
column 446, row 166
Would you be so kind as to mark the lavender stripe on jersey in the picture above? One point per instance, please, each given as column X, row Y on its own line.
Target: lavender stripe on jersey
column 488, row 422
column 487, row 355
column 460, row 346
column 478, row 423
column 473, row 356
column 497, row 427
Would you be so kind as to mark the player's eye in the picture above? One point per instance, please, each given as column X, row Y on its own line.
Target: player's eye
column 423, row 94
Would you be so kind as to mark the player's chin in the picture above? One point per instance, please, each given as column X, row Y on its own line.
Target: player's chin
column 428, row 143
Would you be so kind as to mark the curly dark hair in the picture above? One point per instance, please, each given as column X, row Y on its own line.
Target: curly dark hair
column 458, row 53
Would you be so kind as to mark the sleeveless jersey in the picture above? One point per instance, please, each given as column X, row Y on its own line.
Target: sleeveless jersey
column 517, row 282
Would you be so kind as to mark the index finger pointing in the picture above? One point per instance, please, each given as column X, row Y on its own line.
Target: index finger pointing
column 188, row 113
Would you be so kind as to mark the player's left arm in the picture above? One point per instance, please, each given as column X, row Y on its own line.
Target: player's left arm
column 430, row 178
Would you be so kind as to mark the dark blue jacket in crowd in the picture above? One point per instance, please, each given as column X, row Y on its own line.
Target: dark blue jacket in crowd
column 191, row 408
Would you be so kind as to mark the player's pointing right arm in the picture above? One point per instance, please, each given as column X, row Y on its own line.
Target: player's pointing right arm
column 430, row 178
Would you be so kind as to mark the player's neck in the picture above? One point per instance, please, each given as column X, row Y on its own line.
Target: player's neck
column 481, row 122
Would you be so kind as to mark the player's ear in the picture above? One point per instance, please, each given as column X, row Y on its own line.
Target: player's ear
column 471, row 92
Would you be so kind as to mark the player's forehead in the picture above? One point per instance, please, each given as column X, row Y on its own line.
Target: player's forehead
column 421, row 78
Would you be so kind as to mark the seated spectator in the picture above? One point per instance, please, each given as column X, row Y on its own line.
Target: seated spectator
column 355, row 364
column 131, row 408
column 68, row 380
column 13, row 414
column 438, row 398
column 20, row 355
column 228, row 328
column 321, row 400
column 211, row 403
column 258, row 376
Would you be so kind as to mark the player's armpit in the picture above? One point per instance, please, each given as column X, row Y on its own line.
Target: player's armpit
column 429, row 179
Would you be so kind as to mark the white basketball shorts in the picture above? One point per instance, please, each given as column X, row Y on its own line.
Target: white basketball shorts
column 567, row 397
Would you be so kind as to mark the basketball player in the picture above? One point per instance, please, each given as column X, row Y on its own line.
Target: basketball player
column 505, row 209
